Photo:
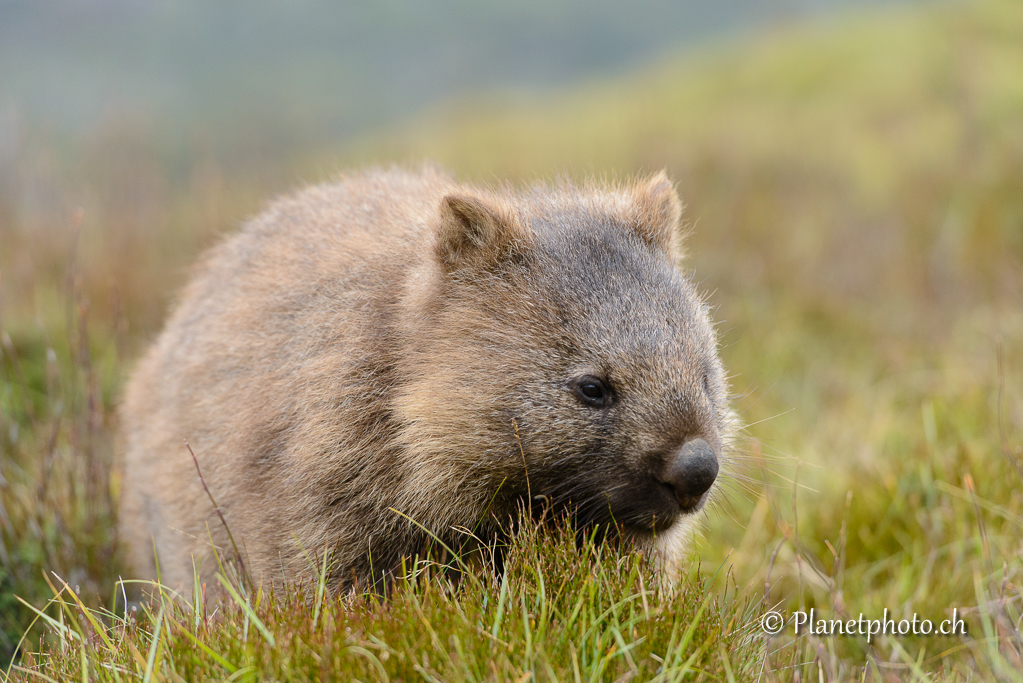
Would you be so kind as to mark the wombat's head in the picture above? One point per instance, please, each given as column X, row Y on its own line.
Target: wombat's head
column 561, row 354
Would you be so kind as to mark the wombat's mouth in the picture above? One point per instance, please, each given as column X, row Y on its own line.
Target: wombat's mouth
column 654, row 508
column 682, row 504
column 690, row 505
column 639, row 504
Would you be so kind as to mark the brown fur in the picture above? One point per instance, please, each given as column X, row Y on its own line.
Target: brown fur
column 373, row 345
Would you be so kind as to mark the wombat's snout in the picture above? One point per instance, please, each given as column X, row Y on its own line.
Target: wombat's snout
column 692, row 473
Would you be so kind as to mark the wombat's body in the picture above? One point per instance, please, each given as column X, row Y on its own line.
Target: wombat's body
column 398, row 342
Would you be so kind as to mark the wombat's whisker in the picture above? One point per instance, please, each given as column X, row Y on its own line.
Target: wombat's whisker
column 741, row 487
column 772, row 417
column 749, row 390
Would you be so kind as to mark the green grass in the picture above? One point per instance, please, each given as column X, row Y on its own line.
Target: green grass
column 557, row 611
column 856, row 194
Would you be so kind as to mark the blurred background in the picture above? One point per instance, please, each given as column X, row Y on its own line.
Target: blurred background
column 854, row 179
column 274, row 78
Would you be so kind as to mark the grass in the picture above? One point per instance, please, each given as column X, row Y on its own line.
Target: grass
column 558, row 611
column 857, row 198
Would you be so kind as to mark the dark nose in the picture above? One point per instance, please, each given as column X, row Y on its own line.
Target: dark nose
column 693, row 472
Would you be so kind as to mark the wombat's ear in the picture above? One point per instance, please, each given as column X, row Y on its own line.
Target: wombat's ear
column 472, row 231
column 660, row 212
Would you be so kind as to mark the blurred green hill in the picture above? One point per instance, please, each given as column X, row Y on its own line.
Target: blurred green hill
column 281, row 76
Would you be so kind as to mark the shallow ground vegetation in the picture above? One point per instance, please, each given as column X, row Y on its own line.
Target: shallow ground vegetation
column 559, row 610
column 856, row 195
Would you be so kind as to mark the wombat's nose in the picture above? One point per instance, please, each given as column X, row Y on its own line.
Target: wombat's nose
column 693, row 472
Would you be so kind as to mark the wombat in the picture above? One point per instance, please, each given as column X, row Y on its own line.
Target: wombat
column 396, row 358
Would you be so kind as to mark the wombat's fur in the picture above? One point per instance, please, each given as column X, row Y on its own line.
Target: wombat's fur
column 400, row 342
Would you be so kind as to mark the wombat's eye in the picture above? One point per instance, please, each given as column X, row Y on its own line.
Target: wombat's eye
column 592, row 391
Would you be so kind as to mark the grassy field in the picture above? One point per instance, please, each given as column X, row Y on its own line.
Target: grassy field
column 855, row 193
